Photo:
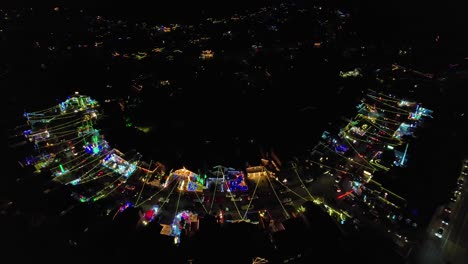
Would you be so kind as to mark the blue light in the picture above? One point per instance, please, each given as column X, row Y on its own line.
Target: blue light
column 107, row 157
column 89, row 149
column 341, row 148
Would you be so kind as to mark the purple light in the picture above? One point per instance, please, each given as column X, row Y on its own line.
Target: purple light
column 341, row 148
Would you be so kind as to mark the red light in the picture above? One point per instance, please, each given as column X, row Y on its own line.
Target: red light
column 149, row 214
column 344, row 195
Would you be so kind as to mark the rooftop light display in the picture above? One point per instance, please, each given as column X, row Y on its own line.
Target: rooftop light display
column 119, row 165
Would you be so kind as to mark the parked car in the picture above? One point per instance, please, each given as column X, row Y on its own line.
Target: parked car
column 445, row 220
column 439, row 233
column 448, row 210
column 338, row 178
column 453, row 198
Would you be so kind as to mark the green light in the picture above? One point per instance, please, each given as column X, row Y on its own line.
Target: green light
column 61, row 168
column 128, row 122
column 96, row 149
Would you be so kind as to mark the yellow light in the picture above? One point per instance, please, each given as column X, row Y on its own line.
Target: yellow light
column 181, row 187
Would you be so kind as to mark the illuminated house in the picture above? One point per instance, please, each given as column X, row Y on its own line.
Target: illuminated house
column 226, row 179
column 420, row 112
column 206, row 55
column 236, row 181
column 360, row 131
column 77, row 103
column 183, row 222
column 188, row 180
column 256, row 171
column 140, row 55
column 403, row 130
column 149, row 215
column 38, row 136
column 354, row 73
column 119, row 165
